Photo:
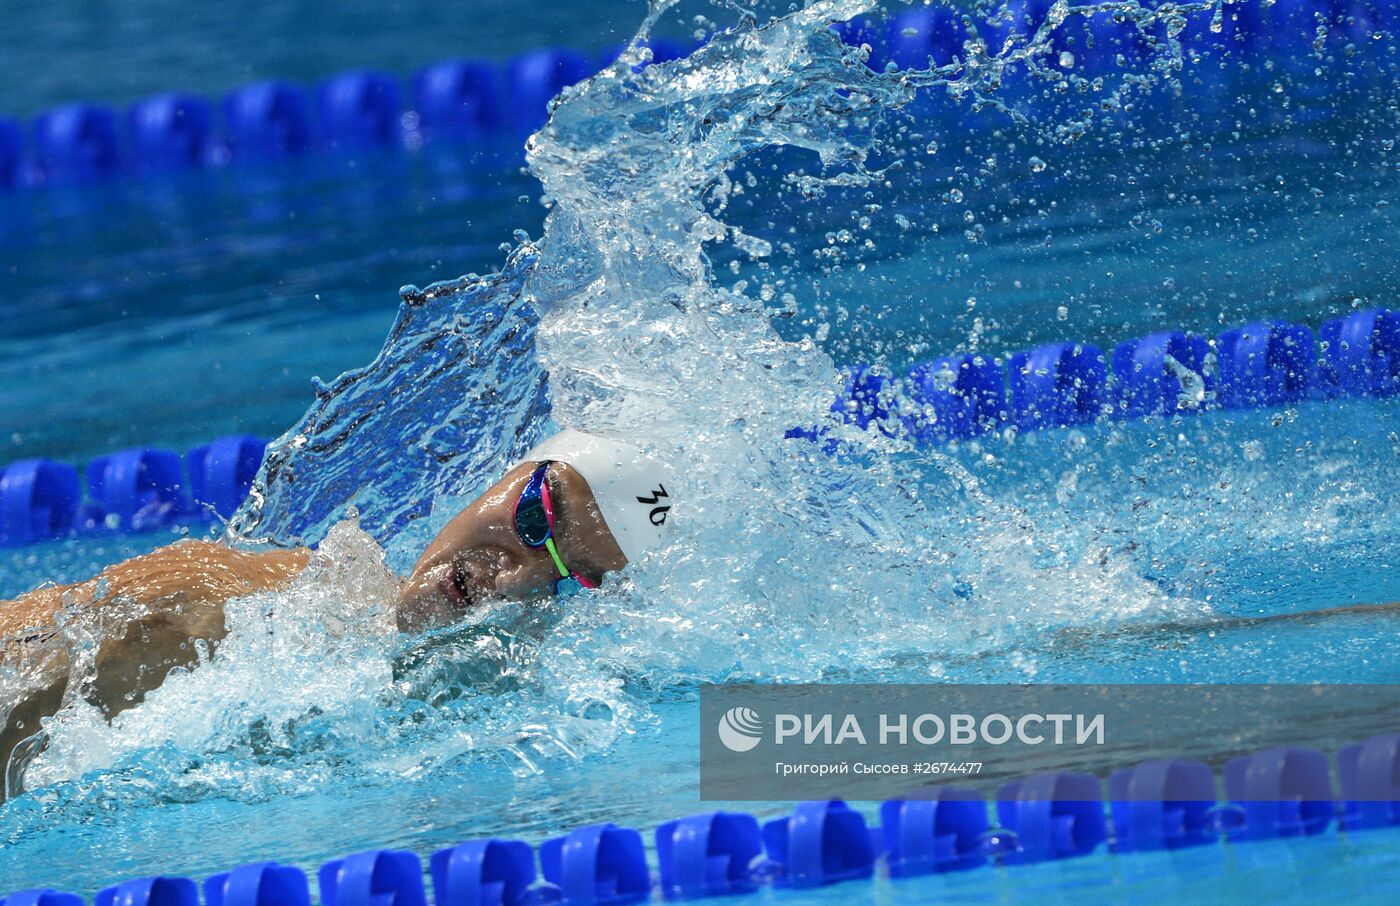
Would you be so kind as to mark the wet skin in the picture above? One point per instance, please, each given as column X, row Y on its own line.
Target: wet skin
column 478, row 556
column 182, row 589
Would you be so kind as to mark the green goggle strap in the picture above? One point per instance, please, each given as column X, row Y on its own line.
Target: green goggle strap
column 558, row 560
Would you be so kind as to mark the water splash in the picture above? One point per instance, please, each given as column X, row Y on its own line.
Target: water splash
column 454, row 396
column 789, row 562
column 322, row 647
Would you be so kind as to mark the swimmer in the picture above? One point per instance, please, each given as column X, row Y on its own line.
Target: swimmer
column 577, row 507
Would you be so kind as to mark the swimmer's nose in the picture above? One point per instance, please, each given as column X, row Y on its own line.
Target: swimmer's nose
column 477, row 577
column 530, row 579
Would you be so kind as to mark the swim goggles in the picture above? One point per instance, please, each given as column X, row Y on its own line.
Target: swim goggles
column 534, row 523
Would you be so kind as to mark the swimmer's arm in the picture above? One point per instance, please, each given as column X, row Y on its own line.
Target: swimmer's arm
column 180, row 592
column 158, row 605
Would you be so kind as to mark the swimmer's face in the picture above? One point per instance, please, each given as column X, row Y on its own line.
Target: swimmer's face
column 478, row 556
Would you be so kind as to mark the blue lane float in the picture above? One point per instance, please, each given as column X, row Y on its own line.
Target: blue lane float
column 865, row 399
column 131, row 490
column 482, row 873
column 1153, row 375
column 222, row 472
column 45, row 897
column 820, row 843
column 1155, row 805
column 266, row 120
column 76, row 143
column 1369, row 775
column 956, row 397
column 170, row 132
column 81, row 142
column 942, row 831
column 598, row 864
column 134, row 489
column 1280, row 792
column 1162, row 804
column 39, row 499
column 1267, row 363
column 360, row 109
column 159, row 891
column 457, row 97
column 258, row 884
column 1361, row 354
column 1054, row 816
column 708, row 854
column 382, row 877
column 1057, row 384
column 536, row 77
column 1166, row 374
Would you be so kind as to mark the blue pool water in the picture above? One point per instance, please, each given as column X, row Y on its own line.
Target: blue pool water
column 71, row 52
column 1193, row 550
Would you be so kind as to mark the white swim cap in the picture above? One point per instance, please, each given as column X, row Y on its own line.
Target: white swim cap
column 633, row 490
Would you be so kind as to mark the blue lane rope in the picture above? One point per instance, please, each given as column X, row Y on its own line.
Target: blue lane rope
column 1263, row 364
column 1157, row 805
column 86, row 143
column 134, row 490
column 1260, row 365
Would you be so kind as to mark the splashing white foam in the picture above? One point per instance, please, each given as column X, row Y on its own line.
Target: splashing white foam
column 790, row 561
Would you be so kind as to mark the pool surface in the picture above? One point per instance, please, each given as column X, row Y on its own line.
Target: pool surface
column 1257, row 183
